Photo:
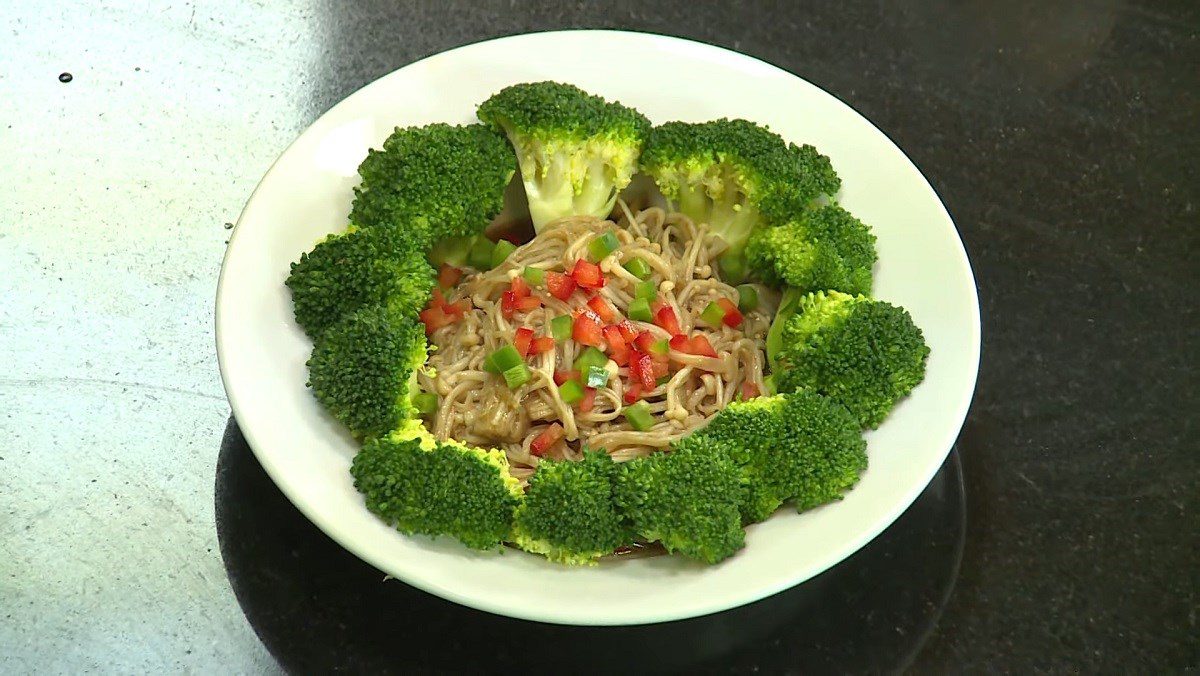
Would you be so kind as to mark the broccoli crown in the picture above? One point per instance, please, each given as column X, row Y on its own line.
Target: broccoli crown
column 735, row 175
column 689, row 499
column 358, row 268
column 821, row 249
column 362, row 369
column 569, row 514
column 443, row 180
column 865, row 354
column 801, row 447
column 576, row 150
column 418, row 484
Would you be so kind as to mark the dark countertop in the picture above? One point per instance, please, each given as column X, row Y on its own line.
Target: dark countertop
column 1063, row 138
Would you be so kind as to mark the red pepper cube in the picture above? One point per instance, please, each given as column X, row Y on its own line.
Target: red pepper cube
column 603, row 309
column 665, row 318
column 541, row 345
column 561, row 377
column 589, row 400
column 519, row 287
column 547, row 438
column 587, row 329
column 733, row 316
column 559, row 285
column 587, row 275
column 633, row 393
column 522, row 341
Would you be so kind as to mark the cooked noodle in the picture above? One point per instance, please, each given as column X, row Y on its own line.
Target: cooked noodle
column 477, row 407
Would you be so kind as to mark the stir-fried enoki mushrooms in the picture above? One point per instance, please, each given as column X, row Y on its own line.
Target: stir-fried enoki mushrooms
column 608, row 336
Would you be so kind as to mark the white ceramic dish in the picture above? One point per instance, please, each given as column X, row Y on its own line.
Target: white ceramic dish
column 307, row 194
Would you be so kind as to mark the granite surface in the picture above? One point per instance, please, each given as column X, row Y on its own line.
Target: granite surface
column 1062, row 137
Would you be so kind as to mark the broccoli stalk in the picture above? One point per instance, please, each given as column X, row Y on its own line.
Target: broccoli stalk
column 576, row 151
column 363, row 369
column 735, row 176
column 356, row 269
column 569, row 514
column 418, row 484
column 864, row 354
column 440, row 180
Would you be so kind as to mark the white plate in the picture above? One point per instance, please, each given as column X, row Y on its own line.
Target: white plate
column 307, row 194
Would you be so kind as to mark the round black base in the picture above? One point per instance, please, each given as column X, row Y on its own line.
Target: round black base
column 318, row 608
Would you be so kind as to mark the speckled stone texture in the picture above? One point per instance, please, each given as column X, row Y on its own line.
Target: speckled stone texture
column 1062, row 137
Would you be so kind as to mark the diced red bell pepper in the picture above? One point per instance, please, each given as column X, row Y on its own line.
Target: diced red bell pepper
column 561, row 377
column 457, row 309
column 434, row 318
column 645, row 342
column 621, row 357
column 616, row 342
column 559, row 285
column 587, row 275
column 528, row 303
column 547, row 438
column 522, row 341
column 438, row 300
column 660, row 367
column 749, row 390
column 586, row 329
column 628, row 331
column 680, row 343
column 588, row 401
column 665, row 318
column 519, row 287
column 603, row 309
column 733, row 316
column 702, row 347
column 541, row 345
column 633, row 393
column 508, row 304
column 448, row 275
column 642, row 368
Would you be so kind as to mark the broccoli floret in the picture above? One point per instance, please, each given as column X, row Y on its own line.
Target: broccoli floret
column 688, row 498
column 735, row 176
column 801, row 447
column 419, row 484
column 443, row 180
column 576, row 151
column 819, row 250
column 864, row 354
column 358, row 268
column 364, row 368
column 569, row 514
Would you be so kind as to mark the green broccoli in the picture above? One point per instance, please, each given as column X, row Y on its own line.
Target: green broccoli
column 820, row 250
column 864, row 354
column 576, row 150
column 443, row 180
column 363, row 369
column 357, row 268
column 735, row 176
column 689, row 498
column 418, row 484
column 569, row 514
column 801, row 447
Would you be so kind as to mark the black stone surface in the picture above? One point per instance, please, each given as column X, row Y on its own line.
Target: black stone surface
column 319, row 609
column 1063, row 139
